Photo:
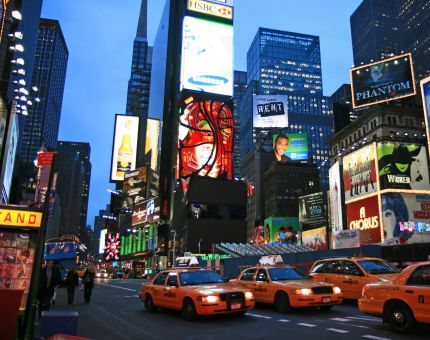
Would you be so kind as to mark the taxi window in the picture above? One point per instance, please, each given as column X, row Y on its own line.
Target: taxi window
column 172, row 280
column 280, row 274
column 248, row 275
column 420, row 276
column 333, row 267
column 350, row 268
column 320, row 267
column 377, row 267
column 261, row 275
column 161, row 278
column 199, row 277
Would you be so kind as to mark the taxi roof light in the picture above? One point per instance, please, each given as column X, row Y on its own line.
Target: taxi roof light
column 187, row 261
column 270, row 260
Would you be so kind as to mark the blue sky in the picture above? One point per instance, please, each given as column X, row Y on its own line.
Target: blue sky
column 100, row 34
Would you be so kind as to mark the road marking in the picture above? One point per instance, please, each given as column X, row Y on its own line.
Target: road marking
column 130, row 296
column 337, row 330
column 375, row 337
column 283, row 320
column 259, row 316
column 306, row 324
column 340, row 319
column 363, row 318
column 132, row 290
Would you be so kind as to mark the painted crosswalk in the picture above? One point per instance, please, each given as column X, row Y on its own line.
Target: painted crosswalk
column 342, row 331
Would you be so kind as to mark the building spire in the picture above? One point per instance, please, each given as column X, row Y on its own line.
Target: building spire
column 143, row 18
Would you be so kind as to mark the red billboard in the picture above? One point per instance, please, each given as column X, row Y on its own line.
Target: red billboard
column 363, row 215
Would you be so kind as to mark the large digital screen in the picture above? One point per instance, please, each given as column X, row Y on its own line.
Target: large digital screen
column 205, row 139
column 336, row 215
column 153, row 127
column 60, row 250
column 102, row 243
column 146, row 212
column 403, row 166
column 425, row 93
column 290, row 147
column 135, row 185
column 405, row 218
column 382, row 81
column 207, row 56
column 363, row 215
column 281, row 229
column 312, row 210
column 124, row 151
column 359, row 173
column 270, row 111
column 315, row 238
column 11, row 147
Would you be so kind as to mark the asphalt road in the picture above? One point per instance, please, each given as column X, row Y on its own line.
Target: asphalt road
column 116, row 312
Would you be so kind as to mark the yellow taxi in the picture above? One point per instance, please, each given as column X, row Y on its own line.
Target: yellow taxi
column 350, row 274
column 194, row 291
column 402, row 302
column 273, row 282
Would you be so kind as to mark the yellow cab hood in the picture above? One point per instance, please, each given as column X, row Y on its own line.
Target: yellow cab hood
column 299, row 284
column 213, row 289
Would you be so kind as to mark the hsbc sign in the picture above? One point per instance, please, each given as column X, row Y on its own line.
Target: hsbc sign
column 210, row 8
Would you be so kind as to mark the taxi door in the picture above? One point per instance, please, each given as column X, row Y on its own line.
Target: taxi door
column 246, row 280
column 156, row 289
column 169, row 296
column 328, row 272
column 417, row 293
column 261, row 287
column 352, row 279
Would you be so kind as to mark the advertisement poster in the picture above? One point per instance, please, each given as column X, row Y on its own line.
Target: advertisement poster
column 60, row 250
column 124, row 151
column 336, row 216
column 290, row 147
column 315, row 238
column 11, row 147
column 403, row 166
column 146, row 212
column 382, row 81
column 212, row 8
column 270, row 111
column 207, row 56
column 346, row 239
column 359, row 173
column 205, row 139
column 102, row 243
column 281, row 229
column 135, row 185
column 405, row 218
column 425, row 93
column 312, row 210
column 363, row 215
column 153, row 127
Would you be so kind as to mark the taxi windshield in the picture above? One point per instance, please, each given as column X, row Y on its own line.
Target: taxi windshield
column 199, row 277
column 378, row 267
column 280, row 274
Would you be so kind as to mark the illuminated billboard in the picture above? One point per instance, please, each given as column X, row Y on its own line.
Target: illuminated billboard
column 336, row 216
column 403, row 166
column 153, row 127
column 102, row 243
column 124, row 150
column 315, row 238
column 146, row 212
column 207, row 56
column 290, row 147
column 359, row 173
column 346, row 239
column 363, row 215
column 113, row 246
column 281, row 229
column 312, row 210
column 11, row 147
column 405, row 218
column 205, row 139
column 270, row 111
column 135, row 185
column 214, row 8
column 60, row 250
column 425, row 93
column 382, row 81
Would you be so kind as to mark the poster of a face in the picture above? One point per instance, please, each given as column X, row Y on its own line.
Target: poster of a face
column 359, row 173
column 290, row 147
column 315, row 238
column 406, row 218
column 403, row 166
column 336, row 217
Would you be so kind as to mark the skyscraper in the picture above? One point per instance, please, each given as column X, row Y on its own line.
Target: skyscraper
column 140, row 78
column 49, row 74
column 239, row 90
column 375, row 30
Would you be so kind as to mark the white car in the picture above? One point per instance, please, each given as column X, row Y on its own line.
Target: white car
column 102, row 274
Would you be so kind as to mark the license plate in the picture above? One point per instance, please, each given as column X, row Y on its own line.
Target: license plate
column 326, row 299
column 236, row 306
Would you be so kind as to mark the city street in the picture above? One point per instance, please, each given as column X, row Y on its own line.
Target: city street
column 117, row 313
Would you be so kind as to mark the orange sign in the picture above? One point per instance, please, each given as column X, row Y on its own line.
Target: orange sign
column 20, row 218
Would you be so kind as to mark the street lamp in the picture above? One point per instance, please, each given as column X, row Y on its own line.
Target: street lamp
column 199, row 245
column 174, row 245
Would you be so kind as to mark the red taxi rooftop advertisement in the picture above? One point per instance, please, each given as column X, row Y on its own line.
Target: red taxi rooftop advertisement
column 363, row 215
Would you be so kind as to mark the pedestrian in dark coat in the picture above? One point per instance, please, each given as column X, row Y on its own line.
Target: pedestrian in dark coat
column 88, row 281
column 49, row 279
column 72, row 281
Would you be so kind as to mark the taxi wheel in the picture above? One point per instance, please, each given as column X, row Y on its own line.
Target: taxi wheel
column 189, row 310
column 282, row 302
column 149, row 304
column 399, row 317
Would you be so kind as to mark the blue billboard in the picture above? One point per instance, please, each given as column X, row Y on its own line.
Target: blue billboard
column 60, row 250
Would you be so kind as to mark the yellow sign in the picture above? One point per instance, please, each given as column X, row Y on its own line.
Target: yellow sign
column 20, row 218
column 209, row 8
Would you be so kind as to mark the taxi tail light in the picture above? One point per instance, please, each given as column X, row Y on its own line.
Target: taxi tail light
column 337, row 290
column 304, row 291
column 249, row 295
column 363, row 290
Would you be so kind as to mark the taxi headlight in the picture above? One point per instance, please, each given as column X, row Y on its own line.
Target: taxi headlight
column 304, row 291
column 337, row 290
column 249, row 295
column 209, row 299
column 105, row 275
column 98, row 275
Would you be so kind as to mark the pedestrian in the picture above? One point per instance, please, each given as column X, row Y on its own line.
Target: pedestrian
column 88, row 282
column 72, row 281
column 49, row 279
column 58, row 274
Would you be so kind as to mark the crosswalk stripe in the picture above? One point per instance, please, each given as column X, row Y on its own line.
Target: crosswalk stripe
column 306, row 324
column 340, row 319
column 259, row 316
column 375, row 337
column 363, row 318
column 283, row 320
column 337, row 330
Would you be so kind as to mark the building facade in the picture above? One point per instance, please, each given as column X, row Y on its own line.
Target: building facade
column 239, row 90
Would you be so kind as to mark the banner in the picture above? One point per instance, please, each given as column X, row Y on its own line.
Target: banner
column 60, row 251
column 382, row 81
column 315, row 238
column 425, row 93
column 403, row 166
column 359, row 173
column 270, row 111
column 290, row 147
column 346, row 239
column 336, row 216
column 312, row 210
column 212, row 9
column 135, row 185
column 406, row 218
column 363, row 215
